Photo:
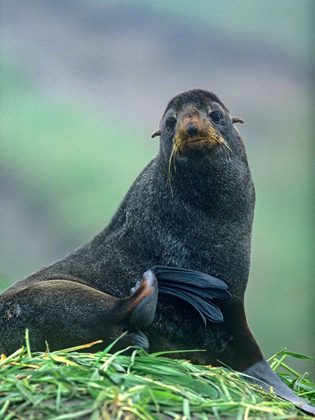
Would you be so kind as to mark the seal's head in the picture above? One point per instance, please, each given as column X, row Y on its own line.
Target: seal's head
column 197, row 124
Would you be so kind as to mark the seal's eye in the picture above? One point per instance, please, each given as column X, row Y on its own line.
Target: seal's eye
column 216, row 116
column 170, row 123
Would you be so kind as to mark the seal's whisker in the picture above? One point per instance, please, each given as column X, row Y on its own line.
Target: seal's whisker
column 220, row 140
column 227, row 146
column 172, row 158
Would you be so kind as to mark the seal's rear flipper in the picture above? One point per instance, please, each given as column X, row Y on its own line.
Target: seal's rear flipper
column 142, row 303
column 194, row 287
column 262, row 374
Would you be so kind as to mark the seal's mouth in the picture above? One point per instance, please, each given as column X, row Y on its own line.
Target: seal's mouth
column 184, row 142
column 200, row 140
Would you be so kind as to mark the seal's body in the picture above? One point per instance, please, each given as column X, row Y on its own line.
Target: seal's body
column 191, row 207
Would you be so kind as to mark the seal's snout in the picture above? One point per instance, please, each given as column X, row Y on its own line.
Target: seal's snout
column 191, row 124
column 192, row 129
column 193, row 132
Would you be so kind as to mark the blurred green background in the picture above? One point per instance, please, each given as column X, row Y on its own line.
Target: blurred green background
column 84, row 85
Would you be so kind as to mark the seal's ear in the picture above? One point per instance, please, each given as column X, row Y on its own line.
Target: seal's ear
column 236, row 120
column 156, row 133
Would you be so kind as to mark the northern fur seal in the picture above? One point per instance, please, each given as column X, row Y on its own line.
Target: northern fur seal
column 192, row 207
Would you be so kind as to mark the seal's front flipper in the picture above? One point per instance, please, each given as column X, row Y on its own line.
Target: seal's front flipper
column 142, row 303
column 198, row 289
column 262, row 374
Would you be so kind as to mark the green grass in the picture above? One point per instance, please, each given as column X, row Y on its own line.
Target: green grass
column 69, row 384
column 69, row 159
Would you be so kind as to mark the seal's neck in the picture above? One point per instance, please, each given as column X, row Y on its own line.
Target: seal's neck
column 222, row 185
column 211, row 209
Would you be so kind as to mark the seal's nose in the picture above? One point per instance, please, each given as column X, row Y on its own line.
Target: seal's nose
column 191, row 129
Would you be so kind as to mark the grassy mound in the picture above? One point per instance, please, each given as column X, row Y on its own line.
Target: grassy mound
column 72, row 384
